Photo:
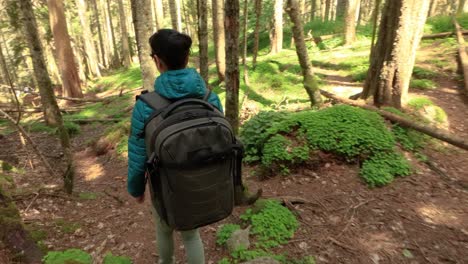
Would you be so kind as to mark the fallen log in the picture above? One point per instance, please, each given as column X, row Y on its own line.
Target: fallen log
column 443, row 35
column 425, row 129
column 91, row 120
column 39, row 110
column 462, row 53
column 89, row 100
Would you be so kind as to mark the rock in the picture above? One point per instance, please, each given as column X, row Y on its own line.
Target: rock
column 262, row 260
column 239, row 238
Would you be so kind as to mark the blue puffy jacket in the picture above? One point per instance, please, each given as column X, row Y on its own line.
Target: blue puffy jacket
column 175, row 84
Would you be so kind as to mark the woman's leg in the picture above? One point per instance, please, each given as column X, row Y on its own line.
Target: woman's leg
column 165, row 241
column 193, row 247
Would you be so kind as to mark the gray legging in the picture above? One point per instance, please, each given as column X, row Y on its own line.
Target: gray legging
column 165, row 240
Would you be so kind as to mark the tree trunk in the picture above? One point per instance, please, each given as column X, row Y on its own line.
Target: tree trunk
column 203, row 38
column 126, row 58
column 375, row 16
column 433, row 8
column 313, row 10
column 350, row 21
column 115, row 58
column 66, row 58
column 277, row 32
column 341, row 8
column 310, row 83
column 51, row 109
column 176, row 19
column 231, row 24
column 392, row 62
column 258, row 14
column 328, row 4
column 108, row 44
column 159, row 13
column 99, row 28
column 141, row 15
column 90, row 51
column 244, row 54
column 218, row 35
column 461, row 7
column 462, row 53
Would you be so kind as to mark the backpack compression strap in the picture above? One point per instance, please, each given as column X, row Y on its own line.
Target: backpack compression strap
column 154, row 100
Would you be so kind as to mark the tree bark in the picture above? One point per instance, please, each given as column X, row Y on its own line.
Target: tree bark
column 258, row 14
column 310, row 83
column 244, row 54
column 461, row 7
column 350, row 21
column 66, row 58
column 327, row 10
column 203, row 38
column 99, row 28
column 110, row 26
column 219, row 35
column 176, row 19
column 231, row 24
column 90, row 51
column 462, row 54
column 141, row 15
column 159, row 14
column 126, row 58
column 392, row 62
column 341, row 8
column 433, row 8
column 423, row 128
column 277, row 32
column 46, row 90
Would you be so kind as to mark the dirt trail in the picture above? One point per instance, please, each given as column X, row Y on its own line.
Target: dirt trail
column 422, row 218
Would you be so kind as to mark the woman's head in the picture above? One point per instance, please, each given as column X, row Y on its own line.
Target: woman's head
column 170, row 49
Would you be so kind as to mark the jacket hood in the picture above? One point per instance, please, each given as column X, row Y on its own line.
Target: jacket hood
column 180, row 84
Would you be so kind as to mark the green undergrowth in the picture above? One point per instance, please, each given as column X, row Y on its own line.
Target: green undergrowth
column 225, row 232
column 443, row 23
column 119, row 79
column 423, row 73
column 351, row 133
column 113, row 109
column 38, row 127
column 428, row 110
column 77, row 256
column 423, row 84
column 66, row 226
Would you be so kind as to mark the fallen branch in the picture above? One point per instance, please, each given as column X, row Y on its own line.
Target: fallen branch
column 93, row 100
column 29, row 139
column 462, row 53
column 425, row 129
column 39, row 110
column 91, row 120
column 443, row 35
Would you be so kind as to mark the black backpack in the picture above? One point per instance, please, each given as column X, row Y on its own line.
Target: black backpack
column 194, row 161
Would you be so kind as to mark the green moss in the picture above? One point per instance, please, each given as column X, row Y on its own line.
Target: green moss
column 279, row 150
column 419, row 103
column 243, row 254
column 422, row 73
column 381, row 168
column 69, row 256
column 225, row 232
column 67, row 227
column 273, row 225
column 122, row 78
column 423, row 84
column 72, row 128
column 87, row 196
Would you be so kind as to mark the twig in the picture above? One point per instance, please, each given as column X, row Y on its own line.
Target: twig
column 338, row 243
column 31, row 203
column 118, row 199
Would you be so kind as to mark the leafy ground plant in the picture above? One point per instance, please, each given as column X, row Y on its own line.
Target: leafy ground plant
column 225, row 232
column 75, row 256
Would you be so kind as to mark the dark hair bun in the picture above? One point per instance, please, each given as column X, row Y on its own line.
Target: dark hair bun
column 172, row 47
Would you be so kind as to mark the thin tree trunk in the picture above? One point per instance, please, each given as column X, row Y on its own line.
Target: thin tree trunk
column 310, row 83
column 219, row 37
column 203, row 38
column 126, row 59
column 277, row 32
column 45, row 86
column 6, row 77
column 174, row 6
column 90, row 51
column 159, row 13
column 392, row 62
column 244, row 54
column 141, row 15
column 115, row 58
column 327, row 10
column 433, row 8
column 258, row 14
column 350, row 21
column 341, row 8
column 231, row 24
column 462, row 53
column 99, row 28
column 66, row 58
column 375, row 16
column 313, row 10
column 461, row 7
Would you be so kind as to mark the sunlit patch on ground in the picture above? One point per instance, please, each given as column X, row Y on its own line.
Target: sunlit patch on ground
column 93, row 172
column 380, row 242
column 433, row 214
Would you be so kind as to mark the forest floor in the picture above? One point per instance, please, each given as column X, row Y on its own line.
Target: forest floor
column 422, row 218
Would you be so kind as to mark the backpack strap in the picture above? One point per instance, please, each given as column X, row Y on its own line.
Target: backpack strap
column 154, row 100
column 207, row 95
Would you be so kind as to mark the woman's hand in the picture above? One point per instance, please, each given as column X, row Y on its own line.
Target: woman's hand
column 140, row 199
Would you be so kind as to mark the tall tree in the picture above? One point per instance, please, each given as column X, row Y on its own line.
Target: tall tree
column 310, row 83
column 231, row 24
column 258, row 14
column 276, row 37
column 218, row 35
column 99, row 28
column 350, row 21
column 203, row 38
column 110, row 27
column 176, row 19
column 392, row 62
column 461, row 7
column 341, row 8
column 91, row 56
column 141, row 15
column 51, row 109
column 126, row 58
column 433, row 7
column 66, row 58
column 328, row 6
column 158, row 5
column 313, row 10
column 244, row 37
